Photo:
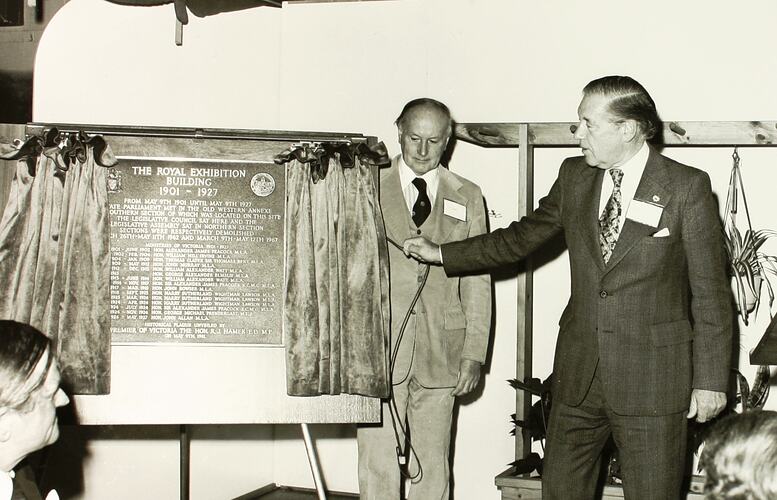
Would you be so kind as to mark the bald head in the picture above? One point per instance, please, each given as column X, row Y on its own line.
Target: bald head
column 429, row 105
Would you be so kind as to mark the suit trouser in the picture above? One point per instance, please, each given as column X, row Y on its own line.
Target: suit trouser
column 651, row 450
column 429, row 413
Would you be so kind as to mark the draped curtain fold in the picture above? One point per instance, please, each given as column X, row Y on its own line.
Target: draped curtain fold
column 336, row 314
column 54, row 251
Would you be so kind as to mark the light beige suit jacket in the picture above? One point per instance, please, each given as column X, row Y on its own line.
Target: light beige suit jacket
column 452, row 318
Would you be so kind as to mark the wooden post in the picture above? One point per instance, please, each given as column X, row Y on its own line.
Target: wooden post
column 523, row 362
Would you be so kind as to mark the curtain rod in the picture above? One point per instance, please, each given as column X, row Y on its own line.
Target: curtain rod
column 197, row 133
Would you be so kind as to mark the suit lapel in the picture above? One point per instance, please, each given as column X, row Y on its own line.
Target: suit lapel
column 395, row 214
column 653, row 188
column 442, row 226
column 588, row 191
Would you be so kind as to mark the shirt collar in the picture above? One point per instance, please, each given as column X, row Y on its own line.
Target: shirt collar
column 406, row 174
column 6, row 485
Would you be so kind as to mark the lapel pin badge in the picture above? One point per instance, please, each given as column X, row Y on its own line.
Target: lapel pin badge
column 656, row 198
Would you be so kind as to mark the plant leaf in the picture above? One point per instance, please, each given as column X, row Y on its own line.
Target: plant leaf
column 533, row 386
column 743, row 389
column 530, row 463
column 760, row 391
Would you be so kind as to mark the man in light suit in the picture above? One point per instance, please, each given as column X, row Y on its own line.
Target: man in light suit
column 440, row 353
column 645, row 340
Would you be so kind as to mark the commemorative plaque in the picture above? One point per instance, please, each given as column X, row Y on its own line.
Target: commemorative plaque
column 197, row 250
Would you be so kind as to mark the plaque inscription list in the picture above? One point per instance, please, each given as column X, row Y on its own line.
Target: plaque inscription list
column 197, row 252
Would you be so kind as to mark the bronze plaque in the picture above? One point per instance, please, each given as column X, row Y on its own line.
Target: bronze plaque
column 197, row 250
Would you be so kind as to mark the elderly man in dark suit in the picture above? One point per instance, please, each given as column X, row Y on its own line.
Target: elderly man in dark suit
column 440, row 354
column 645, row 340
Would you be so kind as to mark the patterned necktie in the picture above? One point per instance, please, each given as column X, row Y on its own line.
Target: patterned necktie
column 608, row 221
column 422, row 206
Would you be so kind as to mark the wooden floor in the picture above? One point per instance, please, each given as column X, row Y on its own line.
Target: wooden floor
column 275, row 492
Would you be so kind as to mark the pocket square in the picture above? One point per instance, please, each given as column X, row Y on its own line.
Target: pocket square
column 663, row 233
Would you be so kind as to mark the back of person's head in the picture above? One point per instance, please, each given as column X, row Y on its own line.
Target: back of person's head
column 629, row 101
column 740, row 457
column 22, row 348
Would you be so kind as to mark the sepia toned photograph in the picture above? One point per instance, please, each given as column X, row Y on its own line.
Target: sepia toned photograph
column 388, row 250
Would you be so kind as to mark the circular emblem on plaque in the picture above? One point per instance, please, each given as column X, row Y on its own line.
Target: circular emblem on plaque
column 262, row 184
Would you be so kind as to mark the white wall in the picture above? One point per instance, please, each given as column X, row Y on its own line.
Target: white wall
column 351, row 66
column 104, row 63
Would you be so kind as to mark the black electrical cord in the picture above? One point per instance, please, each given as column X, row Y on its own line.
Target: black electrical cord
column 393, row 411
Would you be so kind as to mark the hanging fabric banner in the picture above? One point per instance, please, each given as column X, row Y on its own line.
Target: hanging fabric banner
column 336, row 314
column 54, row 251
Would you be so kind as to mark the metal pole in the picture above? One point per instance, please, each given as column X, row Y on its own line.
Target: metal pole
column 184, row 455
column 313, row 461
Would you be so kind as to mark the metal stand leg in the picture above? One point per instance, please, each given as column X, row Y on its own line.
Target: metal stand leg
column 313, row 461
column 184, row 456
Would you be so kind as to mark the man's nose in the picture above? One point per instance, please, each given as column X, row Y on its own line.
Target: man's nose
column 423, row 148
column 579, row 133
column 60, row 398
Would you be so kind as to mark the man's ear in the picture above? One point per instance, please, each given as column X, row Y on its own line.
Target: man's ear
column 630, row 130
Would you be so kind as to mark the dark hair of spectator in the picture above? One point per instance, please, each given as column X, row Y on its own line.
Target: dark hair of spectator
column 629, row 101
column 21, row 349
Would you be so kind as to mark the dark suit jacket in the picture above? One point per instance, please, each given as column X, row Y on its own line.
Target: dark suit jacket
column 452, row 319
column 657, row 318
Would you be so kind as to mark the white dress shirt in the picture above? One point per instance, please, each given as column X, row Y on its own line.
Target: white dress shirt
column 632, row 173
column 6, row 487
column 410, row 192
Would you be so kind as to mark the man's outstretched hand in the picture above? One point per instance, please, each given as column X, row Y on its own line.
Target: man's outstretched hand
column 422, row 249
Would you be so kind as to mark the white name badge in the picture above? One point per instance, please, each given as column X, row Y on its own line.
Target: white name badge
column 455, row 210
column 645, row 212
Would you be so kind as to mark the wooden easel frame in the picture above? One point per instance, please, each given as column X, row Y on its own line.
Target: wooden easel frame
column 528, row 136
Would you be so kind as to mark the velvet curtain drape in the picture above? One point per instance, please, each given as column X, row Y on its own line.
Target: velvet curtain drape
column 336, row 314
column 54, row 251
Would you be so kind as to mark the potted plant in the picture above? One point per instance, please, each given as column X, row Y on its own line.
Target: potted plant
column 748, row 265
column 536, row 427
column 535, row 424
